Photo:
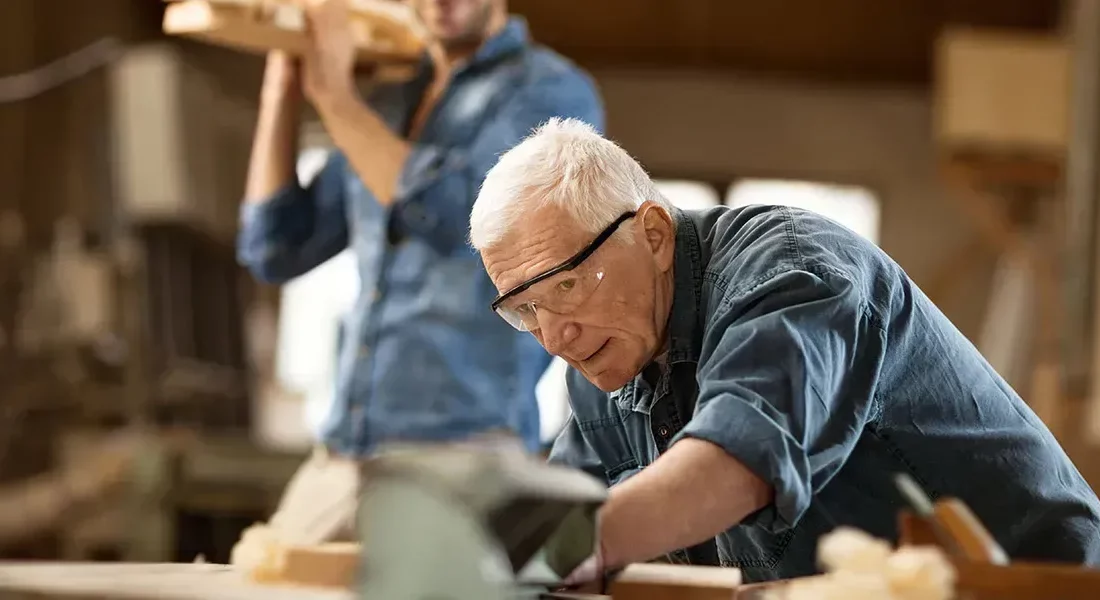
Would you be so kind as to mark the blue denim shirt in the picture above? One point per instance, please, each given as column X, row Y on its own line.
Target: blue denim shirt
column 806, row 353
column 423, row 358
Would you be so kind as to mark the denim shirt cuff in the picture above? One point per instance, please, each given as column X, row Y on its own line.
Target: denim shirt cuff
column 766, row 449
column 264, row 233
column 265, row 212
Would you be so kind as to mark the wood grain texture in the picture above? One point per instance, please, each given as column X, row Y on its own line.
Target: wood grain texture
column 380, row 37
column 654, row 581
column 147, row 581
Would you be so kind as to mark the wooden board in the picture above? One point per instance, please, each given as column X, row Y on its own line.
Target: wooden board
column 379, row 37
column 147, row 581
column 651, row 581
column 767, row 589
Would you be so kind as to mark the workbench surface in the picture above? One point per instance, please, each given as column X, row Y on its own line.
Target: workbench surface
column 147, row 581
column 167, row 581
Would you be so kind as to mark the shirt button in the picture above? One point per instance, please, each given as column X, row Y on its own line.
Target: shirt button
column 364, row 351
column 663, row 431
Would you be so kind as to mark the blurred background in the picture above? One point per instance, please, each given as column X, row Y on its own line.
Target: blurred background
column 962, row 136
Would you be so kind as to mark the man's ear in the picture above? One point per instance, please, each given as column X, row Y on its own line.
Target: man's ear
column 660, row 233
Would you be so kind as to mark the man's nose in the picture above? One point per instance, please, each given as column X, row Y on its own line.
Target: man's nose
column 557, row 331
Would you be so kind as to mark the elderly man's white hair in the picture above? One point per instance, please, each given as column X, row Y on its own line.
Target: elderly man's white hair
column 567, row 163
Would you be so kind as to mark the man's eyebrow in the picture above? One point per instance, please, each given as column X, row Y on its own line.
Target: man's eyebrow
column 529, row 286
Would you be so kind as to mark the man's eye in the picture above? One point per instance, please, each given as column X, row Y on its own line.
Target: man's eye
column 524, row 309
column 567, row 284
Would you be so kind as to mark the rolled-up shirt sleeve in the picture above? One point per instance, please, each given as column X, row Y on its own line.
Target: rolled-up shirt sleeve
column 786, row 384
column 439, row 184
column 296, row 229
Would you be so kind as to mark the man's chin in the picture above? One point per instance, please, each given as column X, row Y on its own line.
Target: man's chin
column 453, row 36
column 608, row 381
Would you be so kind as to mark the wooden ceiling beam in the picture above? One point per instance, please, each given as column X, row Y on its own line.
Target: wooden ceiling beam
column 864, row 40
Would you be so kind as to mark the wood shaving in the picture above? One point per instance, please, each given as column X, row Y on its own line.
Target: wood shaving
column 861, row 567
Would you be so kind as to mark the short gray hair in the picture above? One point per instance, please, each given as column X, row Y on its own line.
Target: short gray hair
column 567, row 163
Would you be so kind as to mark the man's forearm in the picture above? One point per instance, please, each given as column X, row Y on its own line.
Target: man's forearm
column 275, row 143
column 375, row 153
column 690, row 494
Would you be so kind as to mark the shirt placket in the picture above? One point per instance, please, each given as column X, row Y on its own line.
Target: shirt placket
column 664, row 422
column 668, row 416
column 364, row 378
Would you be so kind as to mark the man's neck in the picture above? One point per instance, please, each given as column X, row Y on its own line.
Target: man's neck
column 445, row 62
column 458, row 53
column 665, row 294
column 454, row 56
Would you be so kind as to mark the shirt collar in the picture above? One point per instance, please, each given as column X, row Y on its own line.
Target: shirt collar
column 685, row 327
column 512, row 38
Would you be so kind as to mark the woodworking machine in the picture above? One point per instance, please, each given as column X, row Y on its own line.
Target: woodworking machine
column 472, row 523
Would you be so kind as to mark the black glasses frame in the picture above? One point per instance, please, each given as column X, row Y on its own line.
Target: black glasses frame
column 575, row 261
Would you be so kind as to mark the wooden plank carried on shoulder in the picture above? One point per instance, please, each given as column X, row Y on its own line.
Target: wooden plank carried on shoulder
column 385, row 32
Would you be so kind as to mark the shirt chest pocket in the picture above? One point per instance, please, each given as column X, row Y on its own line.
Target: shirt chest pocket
column 470, row 103
column 455, row 129
column 616, row 444
column 433, row 167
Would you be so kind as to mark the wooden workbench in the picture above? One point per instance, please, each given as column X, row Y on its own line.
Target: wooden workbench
column 144, row 581
column 169, row 581
column 158, row 581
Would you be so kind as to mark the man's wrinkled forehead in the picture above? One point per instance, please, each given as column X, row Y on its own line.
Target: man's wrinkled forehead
column 511, row 267
column 535, row 245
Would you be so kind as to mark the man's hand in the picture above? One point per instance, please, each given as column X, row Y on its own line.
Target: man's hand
column 376, row 154
column 589, row 571
column 329, row 57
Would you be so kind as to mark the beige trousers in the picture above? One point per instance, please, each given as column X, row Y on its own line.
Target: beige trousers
column 320, row 502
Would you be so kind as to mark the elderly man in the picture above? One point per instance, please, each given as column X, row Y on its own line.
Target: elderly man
column 748, row 380
column 421, row 359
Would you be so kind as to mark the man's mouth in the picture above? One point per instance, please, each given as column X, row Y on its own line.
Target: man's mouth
column 595, row 352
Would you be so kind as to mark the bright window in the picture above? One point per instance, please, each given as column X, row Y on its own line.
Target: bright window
column 553, row 398
column 688, row 195
column 312, row 308
column 855, row 207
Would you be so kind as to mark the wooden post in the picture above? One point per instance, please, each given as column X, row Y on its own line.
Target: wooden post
column 1081, row 194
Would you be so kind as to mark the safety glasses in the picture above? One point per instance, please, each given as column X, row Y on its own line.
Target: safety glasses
column 561, row 290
